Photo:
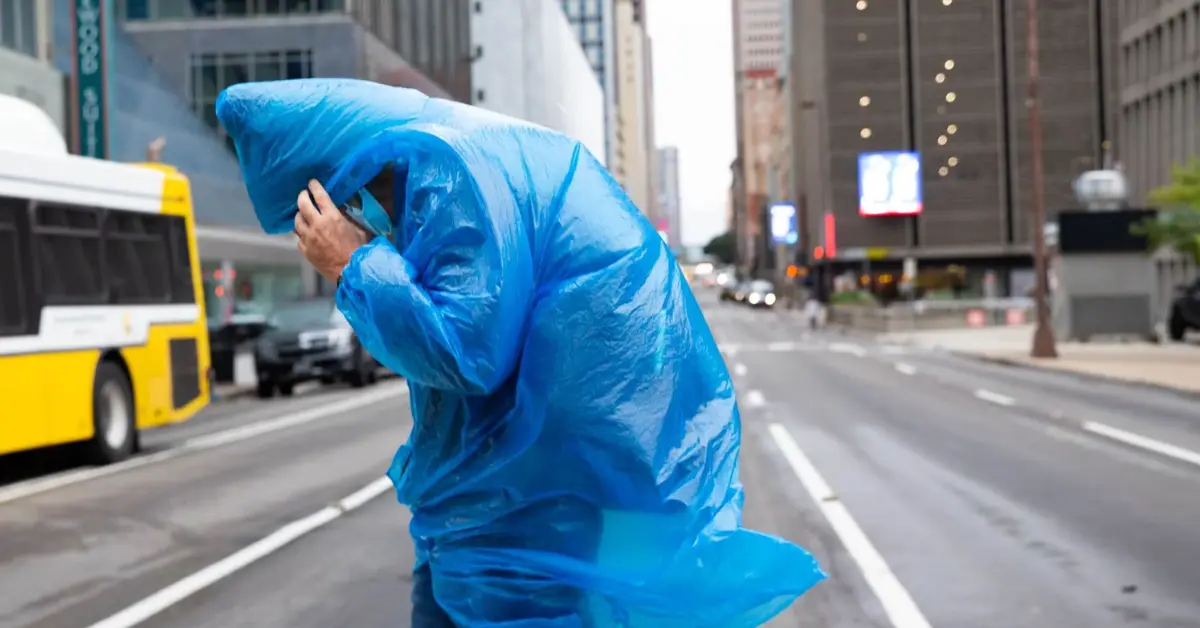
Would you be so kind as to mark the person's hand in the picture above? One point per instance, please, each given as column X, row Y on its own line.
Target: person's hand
column 327, row 239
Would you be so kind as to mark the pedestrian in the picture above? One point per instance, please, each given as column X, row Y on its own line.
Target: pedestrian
column 573, row 455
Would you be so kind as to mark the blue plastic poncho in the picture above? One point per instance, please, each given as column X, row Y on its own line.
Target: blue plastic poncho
column 574, row 454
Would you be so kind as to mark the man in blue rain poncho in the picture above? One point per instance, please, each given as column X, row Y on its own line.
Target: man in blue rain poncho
column 574, row 451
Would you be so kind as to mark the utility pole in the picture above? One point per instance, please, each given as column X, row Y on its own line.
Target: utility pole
column 1043, row 334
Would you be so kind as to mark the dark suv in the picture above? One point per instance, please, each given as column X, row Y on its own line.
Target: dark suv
column 1185, row 311
column 309, row 340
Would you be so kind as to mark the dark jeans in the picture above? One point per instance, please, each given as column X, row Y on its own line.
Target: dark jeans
column 560, row 604
column 425, row 610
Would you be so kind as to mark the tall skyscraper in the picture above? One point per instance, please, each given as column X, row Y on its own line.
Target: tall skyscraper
column 529, row 65
column 1159, row 91
column 758, row 47
column 634, row 101
column 948, row 81
column 593, row 22
column 669, row 203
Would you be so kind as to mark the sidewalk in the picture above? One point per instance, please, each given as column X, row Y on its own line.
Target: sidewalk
column 1174, row 366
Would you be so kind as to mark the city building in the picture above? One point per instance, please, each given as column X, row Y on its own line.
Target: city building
column 529, row 65
column 635, row 103
column 594, row 25
column 26, row 68
column 948, row 81
column 161, row 64
column 669, row 203
column 758, row 50
column 1159, row 91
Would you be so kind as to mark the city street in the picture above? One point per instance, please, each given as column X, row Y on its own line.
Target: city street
column 936, row 491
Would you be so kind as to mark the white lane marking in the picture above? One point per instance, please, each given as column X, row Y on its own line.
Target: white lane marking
column 781, row 346
column 21, row 490
column 739, row 369
column 995, row 397
column 206, row 577
column 852, row 349
column 755, row 399
column 906, row 369
column 1143, row 442
column 893, row 350
column 897, row 603
column 729, row 350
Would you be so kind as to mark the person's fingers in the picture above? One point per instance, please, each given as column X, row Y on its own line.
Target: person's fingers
column 324, row 203
column 301, row 225
column 308, row 212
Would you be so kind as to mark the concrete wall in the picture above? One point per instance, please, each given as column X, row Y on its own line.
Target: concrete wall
column 533, row 68
column 34, row 81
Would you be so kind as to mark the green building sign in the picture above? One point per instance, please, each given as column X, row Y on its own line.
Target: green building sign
column 90, row 116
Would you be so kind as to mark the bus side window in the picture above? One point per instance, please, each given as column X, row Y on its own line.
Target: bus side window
column 182, row 288
column 136, row 251
column 18, row 307
column 69, row 261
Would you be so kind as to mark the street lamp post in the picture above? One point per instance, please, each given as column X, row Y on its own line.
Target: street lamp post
column 1043, row 334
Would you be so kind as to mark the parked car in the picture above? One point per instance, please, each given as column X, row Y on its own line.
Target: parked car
column 310, row 340
column 1185, row 311
column 760, row 293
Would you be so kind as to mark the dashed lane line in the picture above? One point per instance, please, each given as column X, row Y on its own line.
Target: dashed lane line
column 175, row 593
column 897, row 602
column 35, row 486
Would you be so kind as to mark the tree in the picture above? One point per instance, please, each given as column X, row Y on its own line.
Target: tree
column 1177, row 226
column 723, row 247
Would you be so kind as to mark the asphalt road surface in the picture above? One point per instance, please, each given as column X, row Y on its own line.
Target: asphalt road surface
column 936, row 491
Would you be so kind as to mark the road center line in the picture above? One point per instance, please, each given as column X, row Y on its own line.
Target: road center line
column 232, row 435
column 206, row 577
column 1143, row 442
column 739, row 369
column 897, row 603
column 995, row 397
column 755, row 399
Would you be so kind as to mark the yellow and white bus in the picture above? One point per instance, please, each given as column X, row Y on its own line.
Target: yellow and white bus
column 102, row 326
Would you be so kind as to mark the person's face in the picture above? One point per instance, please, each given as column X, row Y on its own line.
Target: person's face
column 383, row 188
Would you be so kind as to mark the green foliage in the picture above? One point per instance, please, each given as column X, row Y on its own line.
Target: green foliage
column 723, row 248
column 1178, row 223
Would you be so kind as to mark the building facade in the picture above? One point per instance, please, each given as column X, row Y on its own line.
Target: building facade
column 529, row 65
column 166, row 61
column 634, row 102
column 26, row 68
column 669, row 201
column 594, row 24
column 1159, row 91
column 947, row 80
column 758, row 50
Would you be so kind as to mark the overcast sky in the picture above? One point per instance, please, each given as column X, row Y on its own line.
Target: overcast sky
column 693, row 102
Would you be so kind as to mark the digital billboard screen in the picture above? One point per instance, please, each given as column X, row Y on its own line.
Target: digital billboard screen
column 889, row 184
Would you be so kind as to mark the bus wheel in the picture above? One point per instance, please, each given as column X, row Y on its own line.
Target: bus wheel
column 113, row 415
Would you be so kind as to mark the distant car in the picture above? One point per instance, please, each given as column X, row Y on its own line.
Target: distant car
column 733, row 291
column 310, row 340
column 1185, row 311
column 760, row 293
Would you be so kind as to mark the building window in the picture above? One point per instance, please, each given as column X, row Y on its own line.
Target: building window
column 184, row 9
column 212, row 73
column 18, row 26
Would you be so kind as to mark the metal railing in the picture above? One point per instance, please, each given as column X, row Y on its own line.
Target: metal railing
column 932, row 315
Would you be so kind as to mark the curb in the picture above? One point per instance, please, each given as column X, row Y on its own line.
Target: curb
column 1190, row 395
column 231, row 394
